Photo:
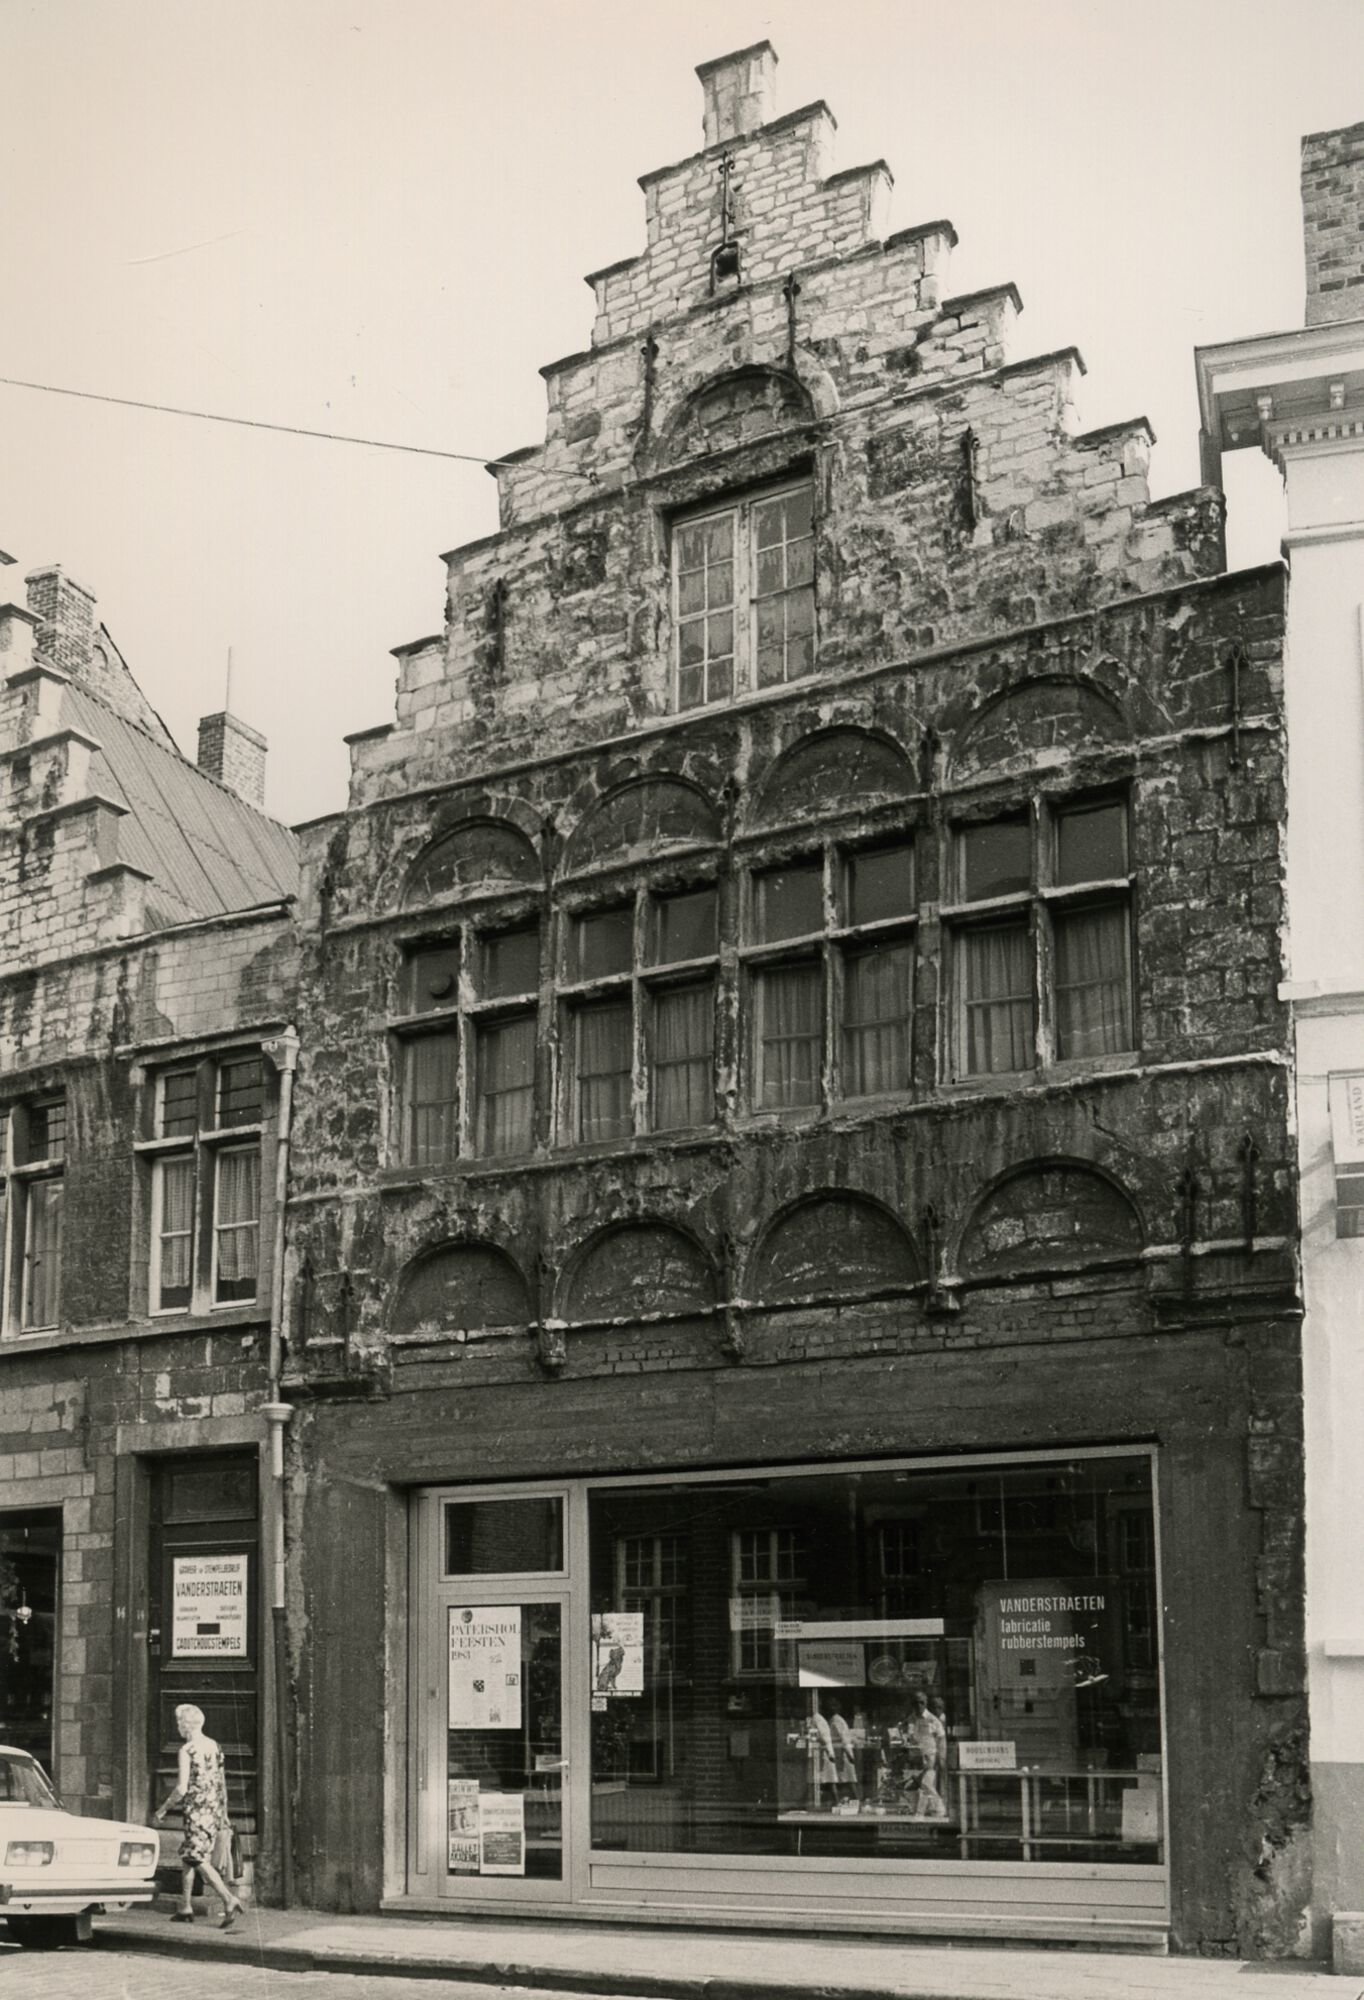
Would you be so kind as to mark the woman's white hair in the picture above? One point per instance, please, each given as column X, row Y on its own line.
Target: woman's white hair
column 187, row 1712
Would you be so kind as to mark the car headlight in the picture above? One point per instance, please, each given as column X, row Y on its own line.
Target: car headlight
column 29, row 1853
column 137, row 1854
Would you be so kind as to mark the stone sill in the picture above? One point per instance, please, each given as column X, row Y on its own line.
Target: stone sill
column 174, row 1325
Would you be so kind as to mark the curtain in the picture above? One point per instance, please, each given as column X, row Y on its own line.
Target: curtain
column 876, row 1021
column 506, row 1074
column 997, row 998
column 1093, row 985
column 237, row 1222
column 44, row 1253
column 791, row 1034
column 177, row 1230
column 683, row 1057
column 603, row 1044
column 432, row 1081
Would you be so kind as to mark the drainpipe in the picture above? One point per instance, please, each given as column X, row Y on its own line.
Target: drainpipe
column 282, row 1051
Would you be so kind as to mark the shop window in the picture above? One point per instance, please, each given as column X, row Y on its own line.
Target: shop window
column 961, row 1662
column 467, row 1038
column 830, row 967
column 639, row 999
column 32, row 1166
column 1041, row 938
column 743, row 597
column 30, row 1574
column 204, row 1156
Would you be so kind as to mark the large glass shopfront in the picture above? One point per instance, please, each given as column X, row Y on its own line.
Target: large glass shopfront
column 930, row 1686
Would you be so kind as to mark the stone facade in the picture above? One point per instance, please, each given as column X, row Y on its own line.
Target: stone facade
column 1076, row 1246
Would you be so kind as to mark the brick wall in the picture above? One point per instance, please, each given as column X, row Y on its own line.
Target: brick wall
column 1333, row 224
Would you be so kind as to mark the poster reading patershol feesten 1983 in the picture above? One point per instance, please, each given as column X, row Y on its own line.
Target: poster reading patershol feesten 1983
column 485, row 1666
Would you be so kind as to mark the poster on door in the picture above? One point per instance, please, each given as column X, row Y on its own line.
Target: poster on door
column 462, row 1832
column 617, row 1652
column 485, row 1666
column 208, row 1606
column 502, row 1833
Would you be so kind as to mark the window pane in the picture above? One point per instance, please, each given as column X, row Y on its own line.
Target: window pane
column 603, row 1040
column 506, row 1083
column 237, row 1223
column 604, row 942
column 881, row 883
column 433, row 978
column 999, row 1018
column 42, row 1254
column 511, row 963
column 431, row 1089
column 1093, row 982
column 176, row 1239
column 46, row 1130
column 789, row 1013
column 179, row 1102
column 876, row 995
column 504, row 1537
column 1091, row 845
column 789, row 902
column 683, row 1081
column 995, row 859
column 241, row 1090
column 684, row 926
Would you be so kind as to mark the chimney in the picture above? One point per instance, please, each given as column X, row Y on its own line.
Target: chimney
column 740, row 92
column 65, row 611
column 234, row 755
column 1333, row 224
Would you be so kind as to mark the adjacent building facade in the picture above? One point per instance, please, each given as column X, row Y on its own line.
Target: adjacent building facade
column 792, row 1318
column 1299, row 396
column 146, row 1001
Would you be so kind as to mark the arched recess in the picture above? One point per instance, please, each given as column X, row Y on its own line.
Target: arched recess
column 458, row 1287
column 734, row 408
column 645, row 818
column 853, row 767
column 832, row 1246
column 1039, row 722
column 1046, row 1213
column 638, row 1268
column 483, row 856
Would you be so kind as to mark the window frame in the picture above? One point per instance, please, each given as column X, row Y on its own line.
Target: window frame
column 640, row 984
column 740, row 508
column 203, row 1147
column 1039, row 908
column 26, row 1184
column 834, row 946
column 464, row 1021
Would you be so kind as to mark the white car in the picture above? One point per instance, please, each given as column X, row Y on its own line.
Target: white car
column 56, row 1869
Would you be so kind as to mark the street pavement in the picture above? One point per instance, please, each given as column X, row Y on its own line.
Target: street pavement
column 127, row 1975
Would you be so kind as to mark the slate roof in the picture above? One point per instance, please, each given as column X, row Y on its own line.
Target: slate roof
column 207, row 851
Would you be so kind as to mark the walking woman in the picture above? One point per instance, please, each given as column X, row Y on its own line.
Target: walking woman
column 201, row 1792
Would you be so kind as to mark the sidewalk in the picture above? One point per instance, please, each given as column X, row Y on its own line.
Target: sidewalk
column 707, row 1965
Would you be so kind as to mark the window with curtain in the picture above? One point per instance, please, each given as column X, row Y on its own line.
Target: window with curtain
column 789, row 1024
column 506, row 1085
column 876, row 1000
column 1044, row 972
column 602, row 1034
column 744, row 596
column 174, row 1208
column 682, row 1069
column 236, row 1223
column 202, row 1152
column 42, row 1301
column 431, row 1090
column 465, row 1049
column 32, row 1161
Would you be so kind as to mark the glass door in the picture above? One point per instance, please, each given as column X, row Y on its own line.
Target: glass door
column 490, row 1782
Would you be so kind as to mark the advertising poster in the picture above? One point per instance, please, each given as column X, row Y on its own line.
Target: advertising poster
column 831, row 1663
column 987, row 1756
column 617, row 1652
column 1050, row 1632
column 209, row 1597
column 463, row 1828
column 502, row 1833
column 485, row 1666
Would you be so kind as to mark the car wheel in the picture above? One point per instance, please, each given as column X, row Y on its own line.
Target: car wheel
column 47, row 1933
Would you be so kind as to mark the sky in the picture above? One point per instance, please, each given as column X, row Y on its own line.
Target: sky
column 375, row 218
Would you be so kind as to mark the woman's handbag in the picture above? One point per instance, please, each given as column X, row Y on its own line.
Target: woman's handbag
column 227, row 1854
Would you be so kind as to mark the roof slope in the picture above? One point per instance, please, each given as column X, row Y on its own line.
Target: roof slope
column 206, row 850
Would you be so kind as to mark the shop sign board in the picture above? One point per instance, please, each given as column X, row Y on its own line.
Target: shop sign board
column 463, row 1826
column 209, row 1598
column 832, row 1663
column 617, row 1652
column 1347, row 1119
column 1052, row 1632
column 501, row 1833
column 485, row 1666
column 859, row 1628
column 987, row 1756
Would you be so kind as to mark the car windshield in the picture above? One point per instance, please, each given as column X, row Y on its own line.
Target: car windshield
column 23, row 1784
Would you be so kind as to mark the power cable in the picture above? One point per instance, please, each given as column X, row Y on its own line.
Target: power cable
column 244, row 423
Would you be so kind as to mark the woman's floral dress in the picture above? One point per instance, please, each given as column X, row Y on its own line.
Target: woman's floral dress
column 205, row 1802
